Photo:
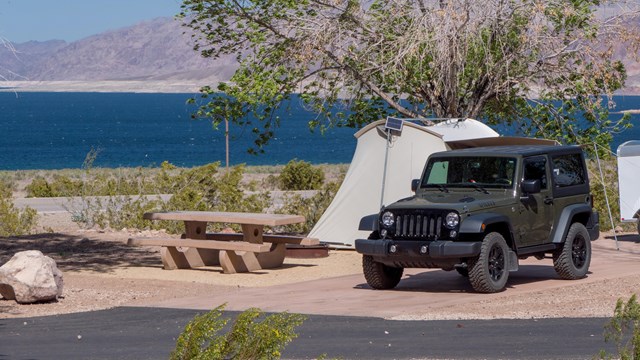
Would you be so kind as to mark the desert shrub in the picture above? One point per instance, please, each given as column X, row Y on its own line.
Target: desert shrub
column 610, row 175
column 254, row 335
column 14, row 221
column 104, row 182
column 201, row 188
column 300, row 175
column 624, row 330
column 311, row 208
column 58, row 186
column 116, row 212
column 271, row 182
column 39, row 187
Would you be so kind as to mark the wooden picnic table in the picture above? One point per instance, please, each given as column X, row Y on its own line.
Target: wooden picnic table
column 249, row 251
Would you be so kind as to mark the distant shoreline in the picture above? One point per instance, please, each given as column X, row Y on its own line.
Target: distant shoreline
column 630, row 111
column 106, row 86
column 159, row 87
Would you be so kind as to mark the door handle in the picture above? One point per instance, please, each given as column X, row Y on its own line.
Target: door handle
column 548, row 201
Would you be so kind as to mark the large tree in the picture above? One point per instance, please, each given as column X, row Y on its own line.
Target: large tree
column 549, row 65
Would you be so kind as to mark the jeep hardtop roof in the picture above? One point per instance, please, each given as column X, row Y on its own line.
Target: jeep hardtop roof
column 511, row 150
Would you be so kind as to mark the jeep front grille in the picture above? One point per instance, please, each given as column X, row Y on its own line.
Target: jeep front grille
column 418, row 225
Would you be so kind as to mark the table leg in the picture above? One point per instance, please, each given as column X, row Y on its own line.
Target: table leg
column 172, row 258
column 199, row 257
column 234, row 262
column 184, row 257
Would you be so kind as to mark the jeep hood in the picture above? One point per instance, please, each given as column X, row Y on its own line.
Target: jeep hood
column 461, row 201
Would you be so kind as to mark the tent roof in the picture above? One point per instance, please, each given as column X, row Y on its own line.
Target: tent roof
column 380, row 125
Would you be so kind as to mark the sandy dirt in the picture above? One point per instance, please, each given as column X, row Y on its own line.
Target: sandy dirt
column 100, row 271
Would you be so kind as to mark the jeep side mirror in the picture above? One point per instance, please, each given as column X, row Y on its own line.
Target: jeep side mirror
column 530, row 186
column 414, row 184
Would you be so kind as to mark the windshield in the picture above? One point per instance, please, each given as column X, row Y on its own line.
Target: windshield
column 479, row 172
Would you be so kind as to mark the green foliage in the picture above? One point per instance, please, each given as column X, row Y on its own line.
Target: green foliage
column 311, row 208
column 254, row 335
column 300, row 175
column 59, row 186
column 200, row 189
column 14, row 221
column 548, row 66
column 624, row 330
column 610, row 175
column 105, row 182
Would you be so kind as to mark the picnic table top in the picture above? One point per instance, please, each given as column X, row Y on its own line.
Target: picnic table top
column 227, row 217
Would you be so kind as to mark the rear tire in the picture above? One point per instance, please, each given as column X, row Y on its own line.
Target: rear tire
column 488, row 273
column 380, row 276
column 573, row 260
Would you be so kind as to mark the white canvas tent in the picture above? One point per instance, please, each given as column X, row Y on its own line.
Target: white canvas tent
column 361, row 192
column 628, row 170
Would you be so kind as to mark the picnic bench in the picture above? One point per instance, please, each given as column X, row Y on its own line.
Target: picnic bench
column 236, row 252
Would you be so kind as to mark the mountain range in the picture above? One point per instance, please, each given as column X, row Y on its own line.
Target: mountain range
column 152, row 50
column 157, row 53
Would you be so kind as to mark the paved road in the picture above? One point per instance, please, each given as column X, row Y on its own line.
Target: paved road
column 150, row 333
column 65, row 204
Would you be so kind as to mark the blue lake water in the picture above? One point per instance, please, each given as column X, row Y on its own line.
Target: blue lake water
column 57, row 130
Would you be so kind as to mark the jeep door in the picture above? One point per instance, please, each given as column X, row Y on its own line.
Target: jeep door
column 536, row 210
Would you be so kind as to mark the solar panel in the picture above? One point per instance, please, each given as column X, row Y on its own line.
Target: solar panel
column 394, row 124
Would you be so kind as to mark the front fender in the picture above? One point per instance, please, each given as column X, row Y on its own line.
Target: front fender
column 369, row 223
column 564, row 222
column 476, row 224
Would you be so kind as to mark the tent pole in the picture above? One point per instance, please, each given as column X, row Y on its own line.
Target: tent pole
column 606, row 197
column 384, row 171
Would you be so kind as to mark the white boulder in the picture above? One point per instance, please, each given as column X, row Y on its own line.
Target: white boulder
column 30, row 277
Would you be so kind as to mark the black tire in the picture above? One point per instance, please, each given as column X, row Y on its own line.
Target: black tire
column 380, row 276
column 638, row 226
column 463, row 271
column 488, row 273
column 573, row 260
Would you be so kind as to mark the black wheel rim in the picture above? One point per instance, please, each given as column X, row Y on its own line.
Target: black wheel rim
column 579, row 252
column 496, row 263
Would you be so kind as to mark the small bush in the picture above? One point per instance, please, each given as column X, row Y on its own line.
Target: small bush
column 39, row 187
column 249, row 337
column 300, row 175
column 311, row 208
column 624, row 330
column 13, row 221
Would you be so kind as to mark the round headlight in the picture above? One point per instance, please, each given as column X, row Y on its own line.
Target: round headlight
column 452, row 220
column 387, row 219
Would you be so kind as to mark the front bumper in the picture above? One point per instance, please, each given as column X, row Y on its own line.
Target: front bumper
column 438, row 249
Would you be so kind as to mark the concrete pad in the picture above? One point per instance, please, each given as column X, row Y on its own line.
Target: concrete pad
column 425, row 291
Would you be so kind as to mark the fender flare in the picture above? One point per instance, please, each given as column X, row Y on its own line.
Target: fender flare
column 564, row 221
column 369, row 223
column 474, row 223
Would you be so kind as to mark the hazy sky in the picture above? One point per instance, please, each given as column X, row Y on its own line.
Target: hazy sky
column 70, row 20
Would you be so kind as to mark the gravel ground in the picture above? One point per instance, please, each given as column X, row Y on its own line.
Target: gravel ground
column 101, row 272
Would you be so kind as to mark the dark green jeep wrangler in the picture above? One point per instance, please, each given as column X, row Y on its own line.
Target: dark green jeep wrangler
column 479, row 210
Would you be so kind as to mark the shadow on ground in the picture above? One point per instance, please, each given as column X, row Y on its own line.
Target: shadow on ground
column 632, row 238
column 439, row 281
column 80, row 253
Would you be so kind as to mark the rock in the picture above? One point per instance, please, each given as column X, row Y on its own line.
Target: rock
column 30, row 277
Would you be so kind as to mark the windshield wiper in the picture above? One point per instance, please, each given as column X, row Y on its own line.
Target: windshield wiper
column 479, row 188
column 442, row 188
